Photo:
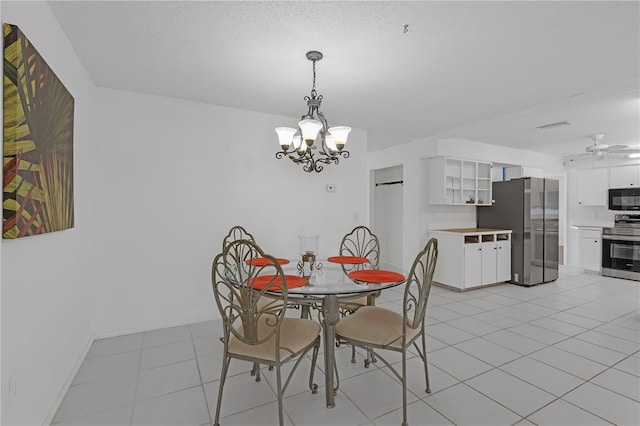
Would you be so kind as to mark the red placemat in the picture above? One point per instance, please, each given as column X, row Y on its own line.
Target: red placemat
column 292, row 281
column 263, row 261
column 351, row 260
column 376, row 276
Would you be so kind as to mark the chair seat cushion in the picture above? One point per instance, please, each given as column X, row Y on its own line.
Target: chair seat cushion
column 296, row 334
column 354, row 304
column 376, row 326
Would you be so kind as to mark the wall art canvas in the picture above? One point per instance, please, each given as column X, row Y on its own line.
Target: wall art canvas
column 38, row 143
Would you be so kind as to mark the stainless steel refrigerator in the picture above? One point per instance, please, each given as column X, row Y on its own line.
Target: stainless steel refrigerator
column 529, row 207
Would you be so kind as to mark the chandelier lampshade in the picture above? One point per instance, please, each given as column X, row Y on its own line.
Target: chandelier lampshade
column 285, row 136
column 310, row 129
column 313, row 144
column 340, row 135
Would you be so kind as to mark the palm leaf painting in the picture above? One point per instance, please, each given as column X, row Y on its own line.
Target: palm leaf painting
column 38, row 143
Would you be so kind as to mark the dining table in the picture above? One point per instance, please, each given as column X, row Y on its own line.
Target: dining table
column 329, row 284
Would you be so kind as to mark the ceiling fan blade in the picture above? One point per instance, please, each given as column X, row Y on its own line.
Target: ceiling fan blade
column 616, row 148
column 577, row 157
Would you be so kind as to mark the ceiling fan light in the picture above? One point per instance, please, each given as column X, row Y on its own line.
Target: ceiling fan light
column 634, row 155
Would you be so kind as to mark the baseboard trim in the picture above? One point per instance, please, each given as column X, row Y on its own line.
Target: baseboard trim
column 142, row 329
column 67, row 383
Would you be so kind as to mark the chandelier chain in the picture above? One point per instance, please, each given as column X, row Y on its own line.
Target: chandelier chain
column 314, row 77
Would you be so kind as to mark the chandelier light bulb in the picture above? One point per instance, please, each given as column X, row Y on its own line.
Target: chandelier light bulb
column 330, row 142
column 310, row 129
column 302, row 149
column 297, row 140
column 340, row 135
column 285, row 136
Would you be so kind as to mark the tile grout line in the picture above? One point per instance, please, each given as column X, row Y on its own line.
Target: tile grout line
column 195, row 355
column 135, row 388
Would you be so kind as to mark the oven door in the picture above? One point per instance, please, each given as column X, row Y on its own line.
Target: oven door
column 621, row 256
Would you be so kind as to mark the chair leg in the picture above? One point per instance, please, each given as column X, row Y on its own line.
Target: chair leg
column 279, row 384
column 336, row 384
column 314, row 359
column 404, row 387
column 353, row 354
column 255, row 371
column 223, row 377
column 426, row 368
column 369, row 359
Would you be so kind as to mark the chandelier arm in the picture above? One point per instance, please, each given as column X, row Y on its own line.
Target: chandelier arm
column 308, row 115
column 329, row 160
column 325, row 124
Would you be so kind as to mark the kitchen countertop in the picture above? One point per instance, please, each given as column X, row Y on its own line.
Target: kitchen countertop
column 595, row 227
column 476, row 231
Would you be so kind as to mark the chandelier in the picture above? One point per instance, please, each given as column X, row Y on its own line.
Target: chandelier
column 299, row 144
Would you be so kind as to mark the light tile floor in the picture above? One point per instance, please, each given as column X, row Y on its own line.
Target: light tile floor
column 562, row 353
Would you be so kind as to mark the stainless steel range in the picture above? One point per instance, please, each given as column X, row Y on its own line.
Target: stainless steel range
column 621, row 248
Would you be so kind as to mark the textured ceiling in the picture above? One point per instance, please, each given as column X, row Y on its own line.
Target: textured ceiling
column 487, row 71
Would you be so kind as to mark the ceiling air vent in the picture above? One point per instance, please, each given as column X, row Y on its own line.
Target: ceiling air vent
column 553, row 125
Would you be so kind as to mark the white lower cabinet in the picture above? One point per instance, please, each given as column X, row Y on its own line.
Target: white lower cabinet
column 473, row 262
column 503, row 261
column 590, row 249
column 472, row 257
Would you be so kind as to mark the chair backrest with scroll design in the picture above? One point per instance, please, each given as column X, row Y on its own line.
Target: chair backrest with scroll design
column 418, row 285
column 237, row 233
column 247, row 314
column 363, row 243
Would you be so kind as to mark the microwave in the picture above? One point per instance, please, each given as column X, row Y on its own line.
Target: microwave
column 624, row 199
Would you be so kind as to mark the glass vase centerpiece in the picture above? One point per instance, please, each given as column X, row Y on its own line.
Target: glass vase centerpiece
column 308, row 263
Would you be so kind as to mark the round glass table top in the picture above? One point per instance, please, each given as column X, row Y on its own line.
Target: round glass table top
column 331, row 279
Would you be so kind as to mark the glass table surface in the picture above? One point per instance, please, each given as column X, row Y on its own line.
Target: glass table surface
column 332, row 279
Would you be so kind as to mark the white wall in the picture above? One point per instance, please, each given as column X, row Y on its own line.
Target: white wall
column 158, row 183
column 47, row 279
column 174, row 177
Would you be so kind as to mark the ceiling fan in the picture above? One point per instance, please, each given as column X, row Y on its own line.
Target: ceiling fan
column 599, row 151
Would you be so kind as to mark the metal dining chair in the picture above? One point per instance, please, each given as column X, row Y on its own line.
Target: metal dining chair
column 254, row 322
column 374, row 328
column 360, row 242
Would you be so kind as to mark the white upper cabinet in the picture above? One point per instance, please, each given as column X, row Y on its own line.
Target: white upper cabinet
column 592, row 187
column 455, row 181
column 624, row 176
